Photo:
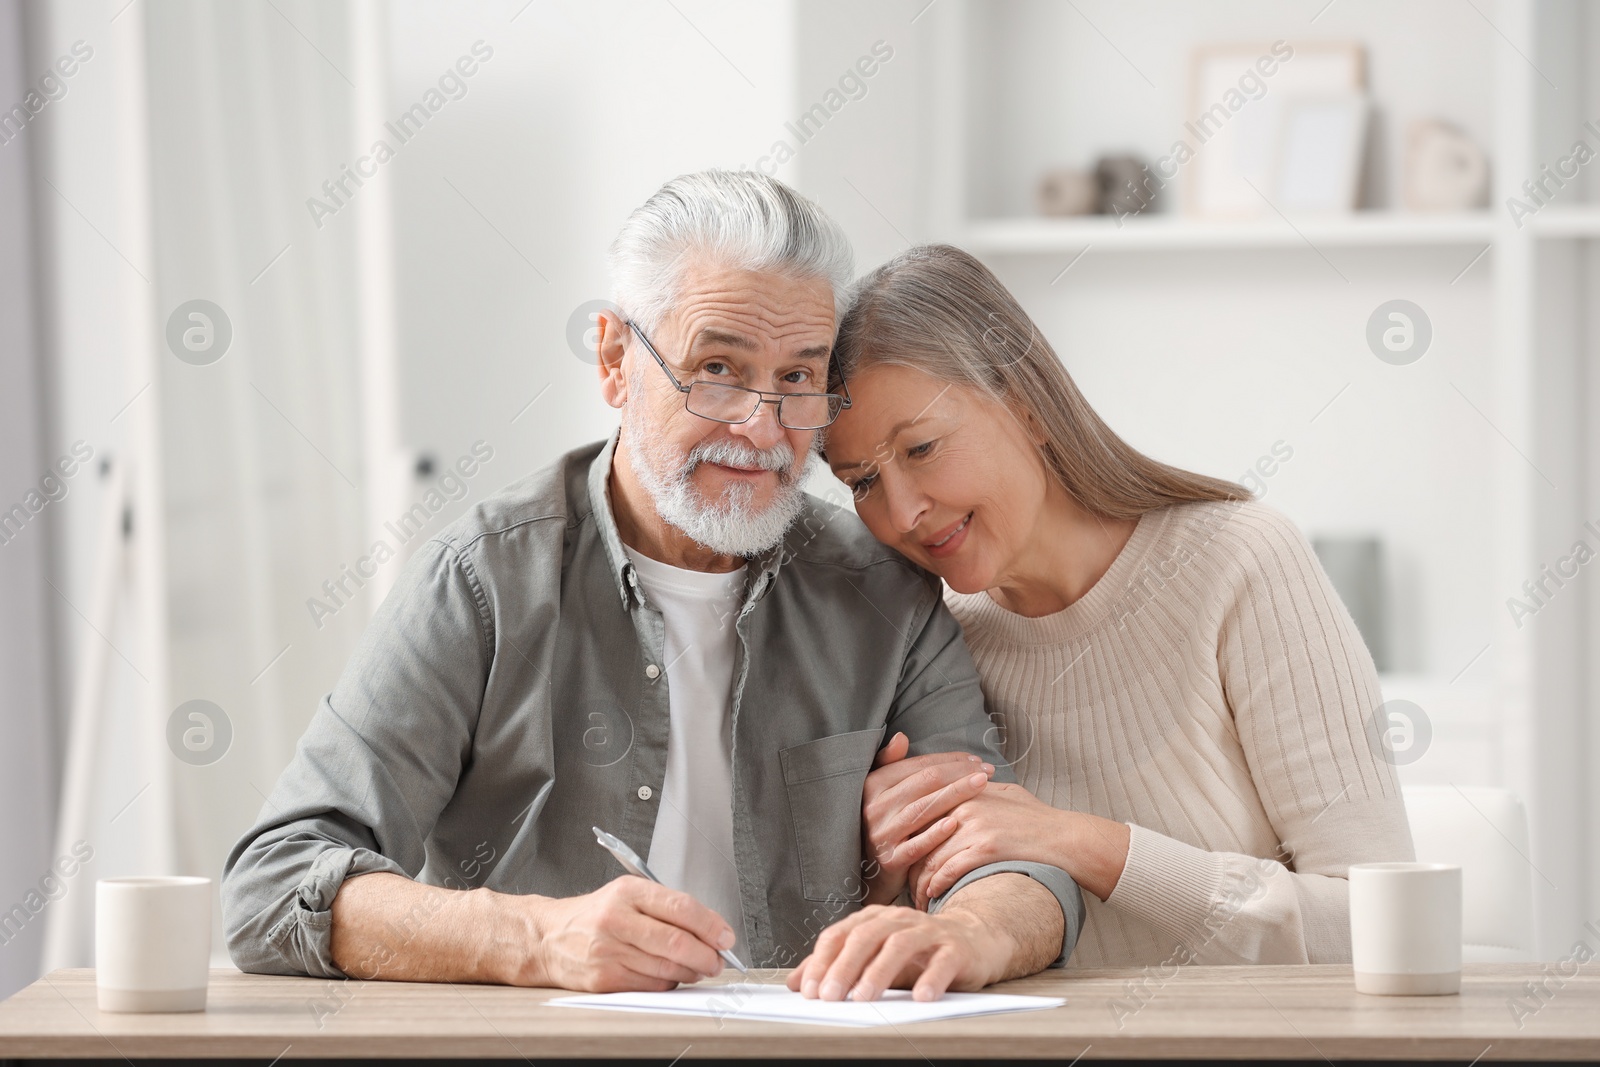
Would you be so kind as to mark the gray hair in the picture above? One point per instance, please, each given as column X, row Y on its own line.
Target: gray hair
column 741, row 219
column 938, row 310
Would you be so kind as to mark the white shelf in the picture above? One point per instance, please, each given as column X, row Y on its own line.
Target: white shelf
column 1174, row 232
column 1578, row 221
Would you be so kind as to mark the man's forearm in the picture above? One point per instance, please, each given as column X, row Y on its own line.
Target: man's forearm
column 389, row 927
column 1023, row 913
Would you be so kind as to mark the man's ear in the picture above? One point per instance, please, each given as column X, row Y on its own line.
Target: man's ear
column 611, row 339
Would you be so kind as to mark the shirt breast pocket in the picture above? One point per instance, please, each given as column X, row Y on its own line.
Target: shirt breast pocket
column 824, row 779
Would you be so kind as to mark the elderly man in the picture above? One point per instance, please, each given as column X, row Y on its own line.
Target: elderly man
column 664, row 637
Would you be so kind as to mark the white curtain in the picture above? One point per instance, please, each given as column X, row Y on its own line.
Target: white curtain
column 270, row 457
column 27, row 754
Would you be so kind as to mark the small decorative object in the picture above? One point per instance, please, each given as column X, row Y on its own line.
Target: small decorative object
column 1319, row 153
column 1126, row 187
column 1067, row 191
column 1445, row 170
column 1355, row 567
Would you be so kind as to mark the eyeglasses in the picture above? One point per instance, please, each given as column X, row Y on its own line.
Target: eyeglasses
column 720, row 402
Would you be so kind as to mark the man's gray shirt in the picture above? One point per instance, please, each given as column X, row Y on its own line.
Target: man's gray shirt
column 510, row 694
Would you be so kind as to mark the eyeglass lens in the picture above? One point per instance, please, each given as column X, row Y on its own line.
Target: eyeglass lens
column 731, row 403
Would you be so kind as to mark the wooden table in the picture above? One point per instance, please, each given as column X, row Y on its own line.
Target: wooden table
column 1309, row 1014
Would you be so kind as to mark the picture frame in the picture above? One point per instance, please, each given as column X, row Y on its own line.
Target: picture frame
column 1239, row 94
column 1319, row 153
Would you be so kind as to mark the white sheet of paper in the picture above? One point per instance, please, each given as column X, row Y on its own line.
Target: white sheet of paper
column 775, row 1003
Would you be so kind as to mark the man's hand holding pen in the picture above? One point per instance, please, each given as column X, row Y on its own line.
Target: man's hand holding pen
column 630, row 934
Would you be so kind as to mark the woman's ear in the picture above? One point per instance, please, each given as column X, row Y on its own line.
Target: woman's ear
column 611, row 344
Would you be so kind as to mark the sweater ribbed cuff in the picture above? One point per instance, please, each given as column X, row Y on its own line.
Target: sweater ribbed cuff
column 1171, row 885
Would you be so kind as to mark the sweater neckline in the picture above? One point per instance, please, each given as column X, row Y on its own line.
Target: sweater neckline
column 1083, row 614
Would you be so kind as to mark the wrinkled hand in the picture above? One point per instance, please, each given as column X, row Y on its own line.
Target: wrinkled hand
column 902, row 804
column 1004, row 822
column 630, row 934
column 885, row 947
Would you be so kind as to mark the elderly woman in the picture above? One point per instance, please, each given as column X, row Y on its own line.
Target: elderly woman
column 1184, row 698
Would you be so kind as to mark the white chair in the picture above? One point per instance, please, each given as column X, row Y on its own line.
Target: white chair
column 1485, row 833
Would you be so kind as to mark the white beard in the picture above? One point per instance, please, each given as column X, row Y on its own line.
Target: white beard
column 727, row 525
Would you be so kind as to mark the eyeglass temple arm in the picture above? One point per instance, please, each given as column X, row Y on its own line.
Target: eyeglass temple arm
column 673, row 378
column 846, row 387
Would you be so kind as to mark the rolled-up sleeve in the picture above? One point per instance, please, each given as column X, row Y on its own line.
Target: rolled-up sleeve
column 380, row 760
column 1059, row 882
column 939, row 708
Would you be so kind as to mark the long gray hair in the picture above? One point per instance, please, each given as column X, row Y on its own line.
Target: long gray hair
column 936, row 309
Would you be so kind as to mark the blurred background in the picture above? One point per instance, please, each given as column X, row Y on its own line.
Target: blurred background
column 269, row 269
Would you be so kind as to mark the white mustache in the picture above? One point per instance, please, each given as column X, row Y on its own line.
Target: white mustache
column 779, row 458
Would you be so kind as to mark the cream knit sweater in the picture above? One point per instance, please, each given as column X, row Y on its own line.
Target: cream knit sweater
column 1212, row 692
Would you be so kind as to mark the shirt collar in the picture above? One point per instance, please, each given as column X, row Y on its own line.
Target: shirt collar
column 763, row 569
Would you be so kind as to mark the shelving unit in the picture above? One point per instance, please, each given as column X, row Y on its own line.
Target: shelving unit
column 1517, row 339
column 1558, row 221
column 1162, row 233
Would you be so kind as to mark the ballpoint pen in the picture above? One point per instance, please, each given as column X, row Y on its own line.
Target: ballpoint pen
column 634, row 865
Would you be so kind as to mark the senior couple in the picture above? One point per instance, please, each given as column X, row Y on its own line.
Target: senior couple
column 1041, row 701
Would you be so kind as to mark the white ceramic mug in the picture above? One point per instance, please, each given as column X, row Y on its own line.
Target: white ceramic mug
column 152, row 943
column 1405, row 928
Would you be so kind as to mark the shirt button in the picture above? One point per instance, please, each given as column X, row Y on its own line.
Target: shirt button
column 645, row 792
column 652, row 671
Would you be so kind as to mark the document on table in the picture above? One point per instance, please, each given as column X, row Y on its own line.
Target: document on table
column 776, row 1004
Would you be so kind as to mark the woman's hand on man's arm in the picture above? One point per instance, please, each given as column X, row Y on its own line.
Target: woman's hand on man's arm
column 1006, row 822
column 904, row 809
column 930, row 820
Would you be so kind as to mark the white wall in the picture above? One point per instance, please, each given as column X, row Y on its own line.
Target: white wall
column 581, row 113
column 867, row 165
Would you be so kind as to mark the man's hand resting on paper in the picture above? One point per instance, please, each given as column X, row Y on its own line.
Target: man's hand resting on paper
column 994, row 929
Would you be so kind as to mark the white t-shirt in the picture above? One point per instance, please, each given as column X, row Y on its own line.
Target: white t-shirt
column 692, row 847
